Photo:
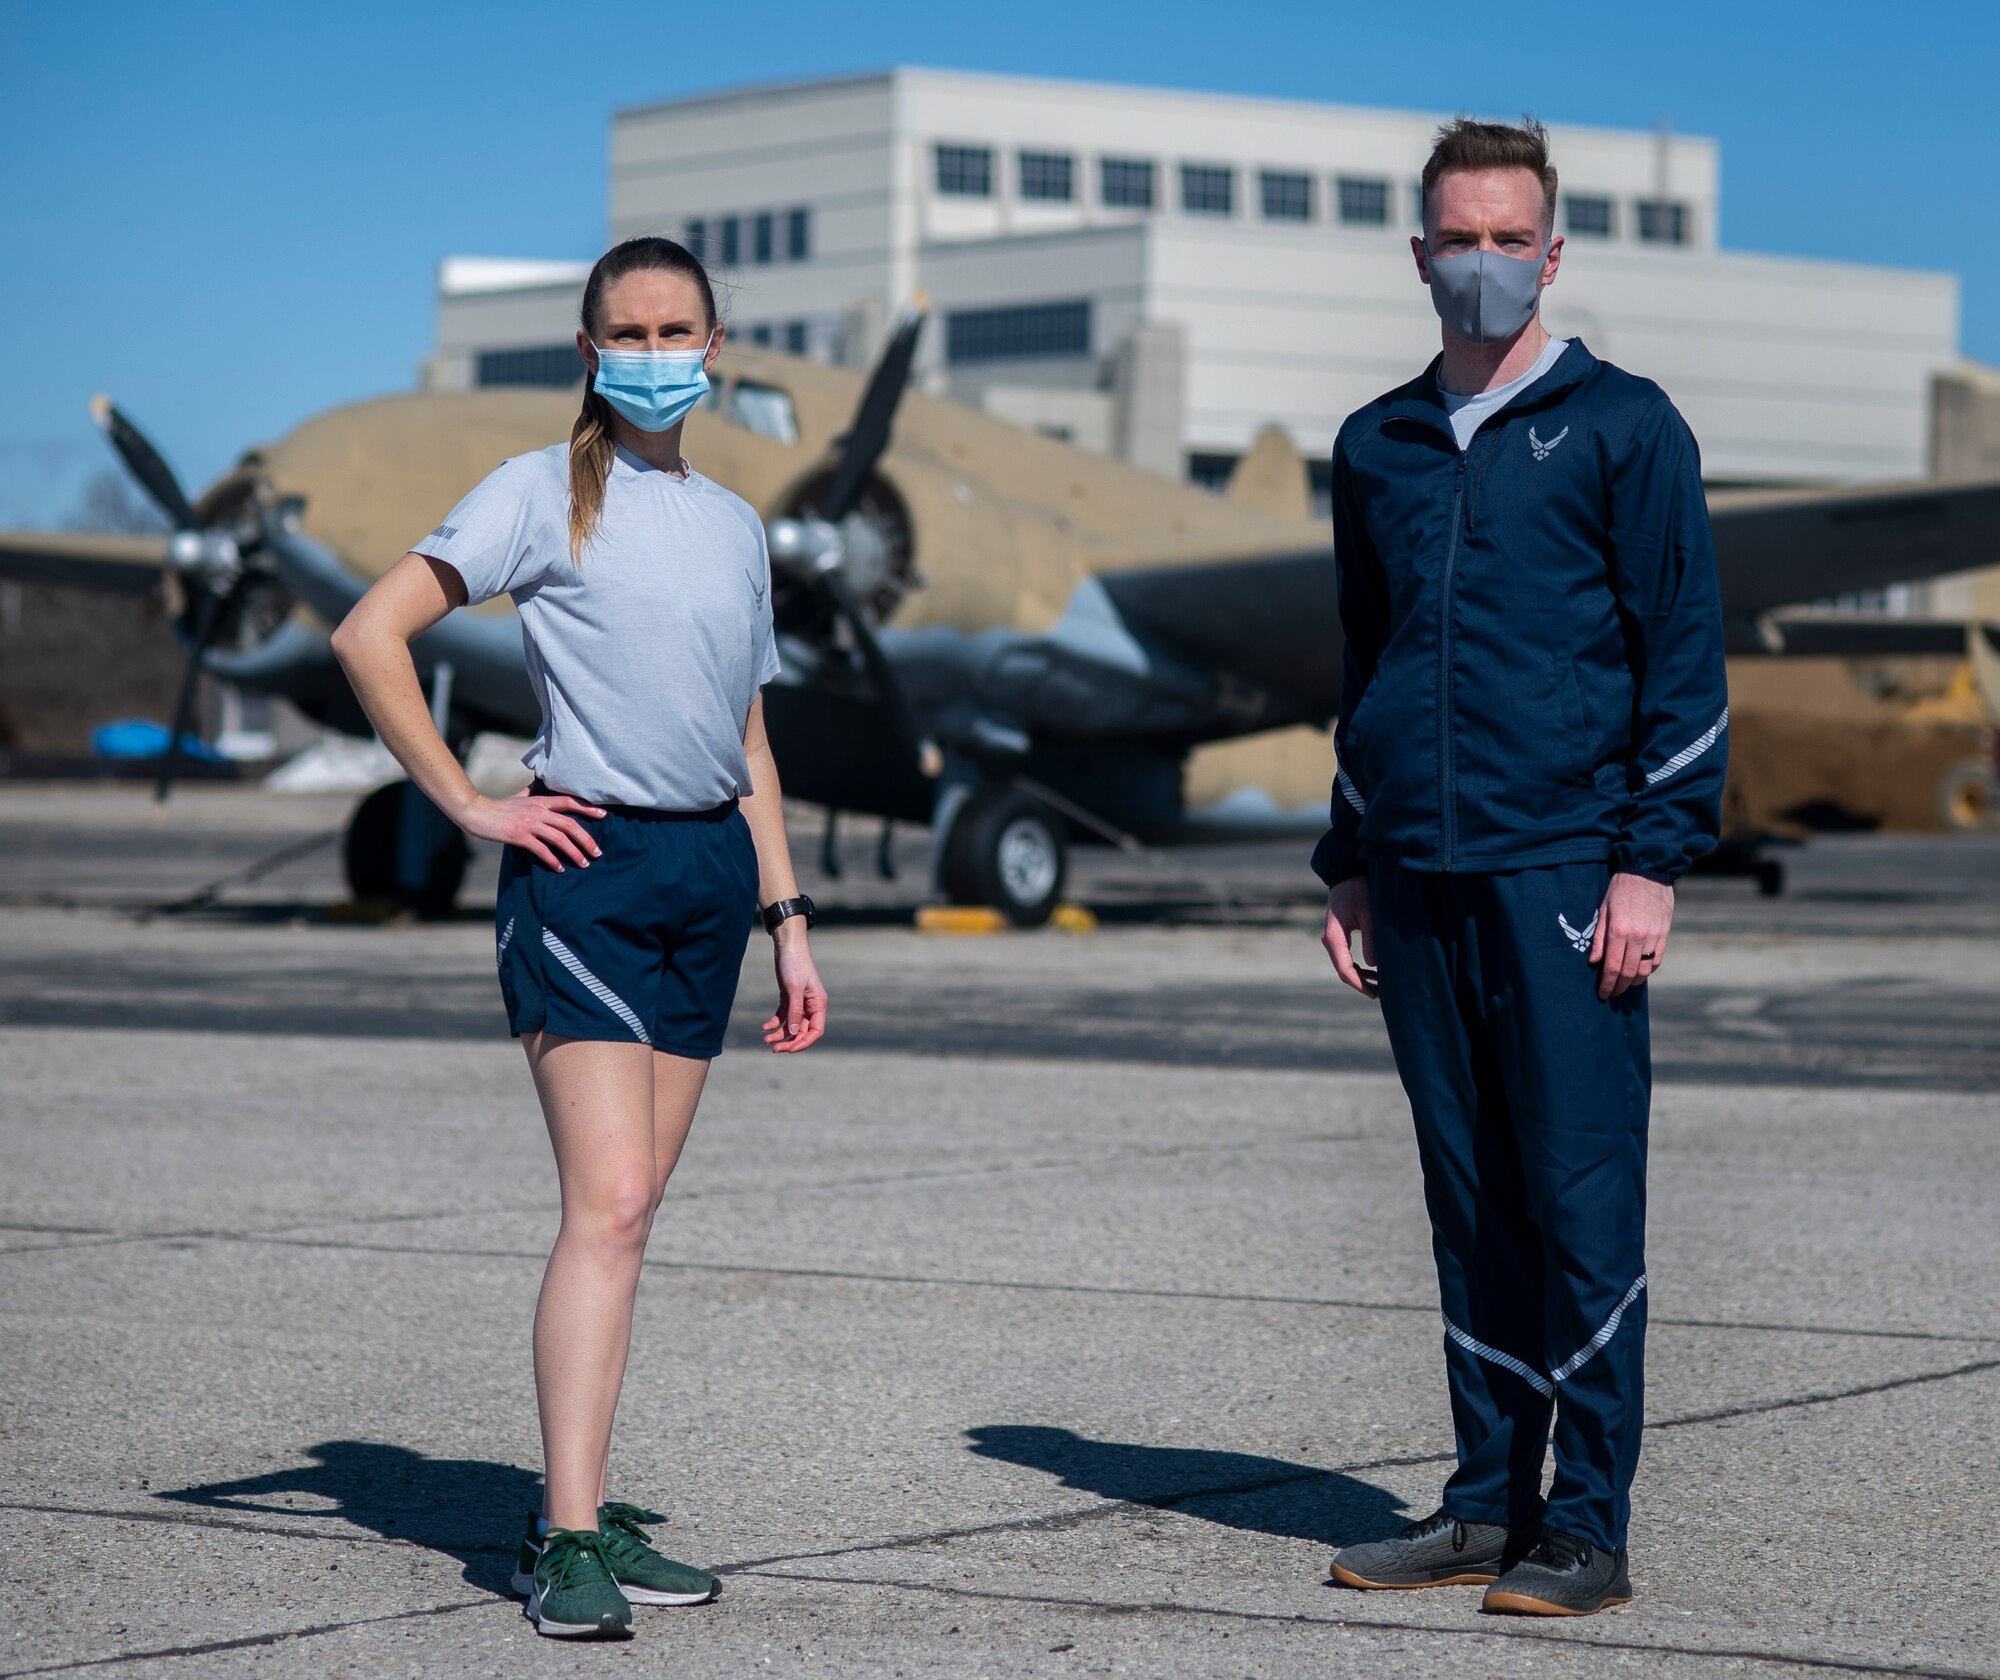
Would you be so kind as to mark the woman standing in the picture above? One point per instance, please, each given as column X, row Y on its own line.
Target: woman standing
column 634, row 864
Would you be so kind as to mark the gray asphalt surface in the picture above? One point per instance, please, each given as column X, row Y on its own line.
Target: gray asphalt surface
column 1055, row 1318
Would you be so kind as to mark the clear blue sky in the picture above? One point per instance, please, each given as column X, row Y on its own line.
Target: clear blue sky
column 229, row 216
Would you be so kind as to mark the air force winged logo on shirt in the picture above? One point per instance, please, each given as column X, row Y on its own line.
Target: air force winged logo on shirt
column 756, row 589
column 1579, row 937
column 1544, row 450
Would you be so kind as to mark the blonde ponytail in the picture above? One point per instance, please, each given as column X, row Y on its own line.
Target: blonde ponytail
column 591, row 447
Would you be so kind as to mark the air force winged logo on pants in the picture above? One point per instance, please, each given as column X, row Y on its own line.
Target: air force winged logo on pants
column 1579, row 937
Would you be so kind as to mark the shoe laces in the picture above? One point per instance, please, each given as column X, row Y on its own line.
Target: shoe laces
column 574, row 1556
column 1561, row 1551
column 620, row 1527
column 1424, row 1527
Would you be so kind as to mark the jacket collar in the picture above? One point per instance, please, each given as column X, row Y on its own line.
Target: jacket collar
column 1422, row 399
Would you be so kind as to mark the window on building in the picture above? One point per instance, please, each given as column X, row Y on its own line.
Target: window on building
column 729, row 241
column 795, row 338
column 1416, row 204
column 764, row 238
column 1125, row 183
column 1364, row 200
column 1587, row 215
column 761, row 334
column 798, row 235
column 546, row 364
column 763, row 409
column 1208, row 189
column 1019, row 332
column 1049, row 176
column 1287, row 195
column 965, row 171
column 695, row 237
column 1663, row 222
column 1208, row 471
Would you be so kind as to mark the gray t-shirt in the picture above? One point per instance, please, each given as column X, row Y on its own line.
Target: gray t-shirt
column 1470, row 411
column 647, row 656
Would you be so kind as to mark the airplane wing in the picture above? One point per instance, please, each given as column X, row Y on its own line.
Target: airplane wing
column 1272, row 620
column 123, row 565
column 1872, row 636
column 1781, row 548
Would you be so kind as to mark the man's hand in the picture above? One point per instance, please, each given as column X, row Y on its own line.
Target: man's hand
column 1349, row 911
column 1631, row 938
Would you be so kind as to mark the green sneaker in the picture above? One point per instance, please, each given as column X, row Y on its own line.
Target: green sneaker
column 642, row 1574
column 571, row 1594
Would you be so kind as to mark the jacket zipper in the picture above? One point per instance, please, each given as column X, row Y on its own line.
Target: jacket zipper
column 1447, row 796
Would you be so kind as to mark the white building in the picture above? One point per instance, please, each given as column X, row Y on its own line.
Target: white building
column 1159, row 275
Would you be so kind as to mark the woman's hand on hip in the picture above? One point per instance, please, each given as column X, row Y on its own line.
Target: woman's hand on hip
column 539, row 823
column 801, row 1017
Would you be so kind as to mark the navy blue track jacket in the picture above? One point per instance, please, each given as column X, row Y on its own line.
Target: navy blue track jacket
column 1534, row 670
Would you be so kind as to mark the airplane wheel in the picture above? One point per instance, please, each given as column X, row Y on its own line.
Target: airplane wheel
column 1969, row 797
column 374, row 851
column 1006, row 850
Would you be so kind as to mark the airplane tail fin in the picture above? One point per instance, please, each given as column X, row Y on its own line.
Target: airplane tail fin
column 1272, row 477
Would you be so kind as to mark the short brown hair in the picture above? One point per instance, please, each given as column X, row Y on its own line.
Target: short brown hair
column 1463, row 144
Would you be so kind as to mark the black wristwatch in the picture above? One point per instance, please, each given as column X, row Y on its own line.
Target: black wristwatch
column 786, row 908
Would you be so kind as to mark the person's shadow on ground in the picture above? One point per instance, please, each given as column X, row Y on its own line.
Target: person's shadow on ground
column 467, row 1508
column 1239, row 1490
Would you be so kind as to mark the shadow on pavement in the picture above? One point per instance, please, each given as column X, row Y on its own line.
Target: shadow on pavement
column 467, row 1508
column 1239, row 1490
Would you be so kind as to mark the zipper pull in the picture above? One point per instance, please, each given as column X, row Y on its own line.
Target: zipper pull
column 1465, row 475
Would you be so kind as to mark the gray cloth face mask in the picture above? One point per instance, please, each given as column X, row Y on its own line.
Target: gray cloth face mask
column 1485, row 295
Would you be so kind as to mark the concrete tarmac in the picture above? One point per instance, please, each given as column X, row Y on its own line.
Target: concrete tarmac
column 1056, row 1317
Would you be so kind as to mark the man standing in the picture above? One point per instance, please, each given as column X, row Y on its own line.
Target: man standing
column 1531, row 751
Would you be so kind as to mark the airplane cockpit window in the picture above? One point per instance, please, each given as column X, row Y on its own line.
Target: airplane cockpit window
column 763, row 409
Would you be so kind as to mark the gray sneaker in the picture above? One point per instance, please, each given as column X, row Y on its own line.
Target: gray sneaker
column 1561, row 1576
column 1439, row 1551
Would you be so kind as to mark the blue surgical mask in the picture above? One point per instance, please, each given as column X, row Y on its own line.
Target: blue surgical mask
column 654, row 389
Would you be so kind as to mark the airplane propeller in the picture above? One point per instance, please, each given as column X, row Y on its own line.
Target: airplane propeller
column 817, row 550
column 208, row 562
column 868, row 437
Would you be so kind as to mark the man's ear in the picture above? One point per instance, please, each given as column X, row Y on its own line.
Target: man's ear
column 1417, row 251
column 1552, row 260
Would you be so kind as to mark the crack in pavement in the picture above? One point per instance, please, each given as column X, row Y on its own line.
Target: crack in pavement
column 278, row 1637
column 1844, row 1665
column 100, row 1236
column 1117, row 1291
column 282, row 1236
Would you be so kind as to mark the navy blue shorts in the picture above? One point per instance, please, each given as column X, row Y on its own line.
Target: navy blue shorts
column 645, row 945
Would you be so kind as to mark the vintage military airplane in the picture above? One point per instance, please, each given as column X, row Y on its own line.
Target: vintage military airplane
column 984, row 629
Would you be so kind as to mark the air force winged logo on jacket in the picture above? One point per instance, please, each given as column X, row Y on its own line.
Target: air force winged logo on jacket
column 1579, row 937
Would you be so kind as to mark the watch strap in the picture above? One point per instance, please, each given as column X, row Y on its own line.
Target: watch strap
column 783, row 909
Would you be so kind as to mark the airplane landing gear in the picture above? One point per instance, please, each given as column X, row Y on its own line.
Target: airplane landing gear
column 403, row 849
column 1008, row 850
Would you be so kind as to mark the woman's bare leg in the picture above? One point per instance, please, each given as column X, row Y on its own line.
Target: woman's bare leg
column 677, row 1082
column 598, row 1101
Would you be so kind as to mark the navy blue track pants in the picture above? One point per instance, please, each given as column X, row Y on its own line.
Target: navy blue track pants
column 1530, row 1099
